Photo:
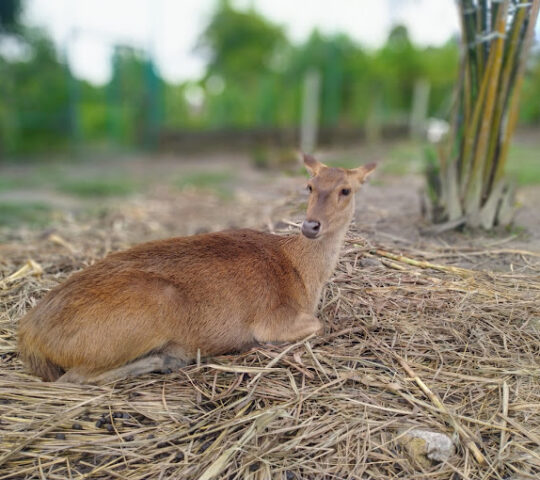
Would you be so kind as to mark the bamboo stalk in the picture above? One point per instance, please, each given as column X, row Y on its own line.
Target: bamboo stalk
column 472, row 127
column 481, row 29
column 467, row 105
column 491, row 76
column 491, row 161
column 468, row 17
column 422, row 264
column 449, row 171
column 455, row 120
column 494, row 10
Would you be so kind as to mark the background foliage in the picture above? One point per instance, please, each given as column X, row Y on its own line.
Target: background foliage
column 254, row 78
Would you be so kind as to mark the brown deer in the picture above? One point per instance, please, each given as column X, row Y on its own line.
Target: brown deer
column 154, row 306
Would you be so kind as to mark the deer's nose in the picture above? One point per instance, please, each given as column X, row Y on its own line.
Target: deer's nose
column 311, row 228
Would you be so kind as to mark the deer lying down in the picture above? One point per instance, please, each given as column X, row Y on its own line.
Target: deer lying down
column 153, row 306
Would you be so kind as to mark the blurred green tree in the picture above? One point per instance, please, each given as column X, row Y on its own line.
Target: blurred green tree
column 254, row 77
column 240, row 43
column 397, row 66
column 10, row 11
column 439, row 65
column 35, row 88
column 337, row 59
column 133, row 96
column 245, row 53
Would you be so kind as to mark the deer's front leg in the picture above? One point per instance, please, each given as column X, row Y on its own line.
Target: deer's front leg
column 286, row 326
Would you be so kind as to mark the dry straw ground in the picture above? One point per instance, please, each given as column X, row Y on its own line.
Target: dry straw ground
column 412, row 341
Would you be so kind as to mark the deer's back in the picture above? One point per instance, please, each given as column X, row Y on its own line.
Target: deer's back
column 248, row 259
column 205, row 289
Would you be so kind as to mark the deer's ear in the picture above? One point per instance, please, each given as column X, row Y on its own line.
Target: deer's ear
column 313, row 166
column 360, row 174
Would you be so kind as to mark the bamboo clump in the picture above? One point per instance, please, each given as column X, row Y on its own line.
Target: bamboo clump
column 496, row 39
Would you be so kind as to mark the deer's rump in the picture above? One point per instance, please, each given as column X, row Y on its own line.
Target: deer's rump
column 189, row 293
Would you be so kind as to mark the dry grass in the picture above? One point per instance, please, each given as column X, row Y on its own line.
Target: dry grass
column 412, row 340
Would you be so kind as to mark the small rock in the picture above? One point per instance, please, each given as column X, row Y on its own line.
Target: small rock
column 425, row 447
column 60, row 436
column 76, row 426
column 369, row 262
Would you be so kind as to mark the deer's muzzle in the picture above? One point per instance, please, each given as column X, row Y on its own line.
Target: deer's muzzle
column 311, row 228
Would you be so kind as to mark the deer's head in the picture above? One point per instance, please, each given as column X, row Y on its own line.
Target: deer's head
column 331, row 196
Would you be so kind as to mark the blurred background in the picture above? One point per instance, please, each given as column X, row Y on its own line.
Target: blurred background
column 107, row 101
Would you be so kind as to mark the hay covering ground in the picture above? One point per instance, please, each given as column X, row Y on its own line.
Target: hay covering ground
column 411, row 341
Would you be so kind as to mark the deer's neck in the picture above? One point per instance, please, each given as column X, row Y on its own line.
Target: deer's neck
column 315, row 260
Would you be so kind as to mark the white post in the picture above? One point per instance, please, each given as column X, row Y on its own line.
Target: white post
column 419, row 109
column 310, row 111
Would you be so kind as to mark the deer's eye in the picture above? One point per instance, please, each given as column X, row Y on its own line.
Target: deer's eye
column 345, row 191
column 309, row 188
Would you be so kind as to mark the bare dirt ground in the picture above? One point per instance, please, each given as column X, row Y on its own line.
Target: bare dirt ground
column 387, row 208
